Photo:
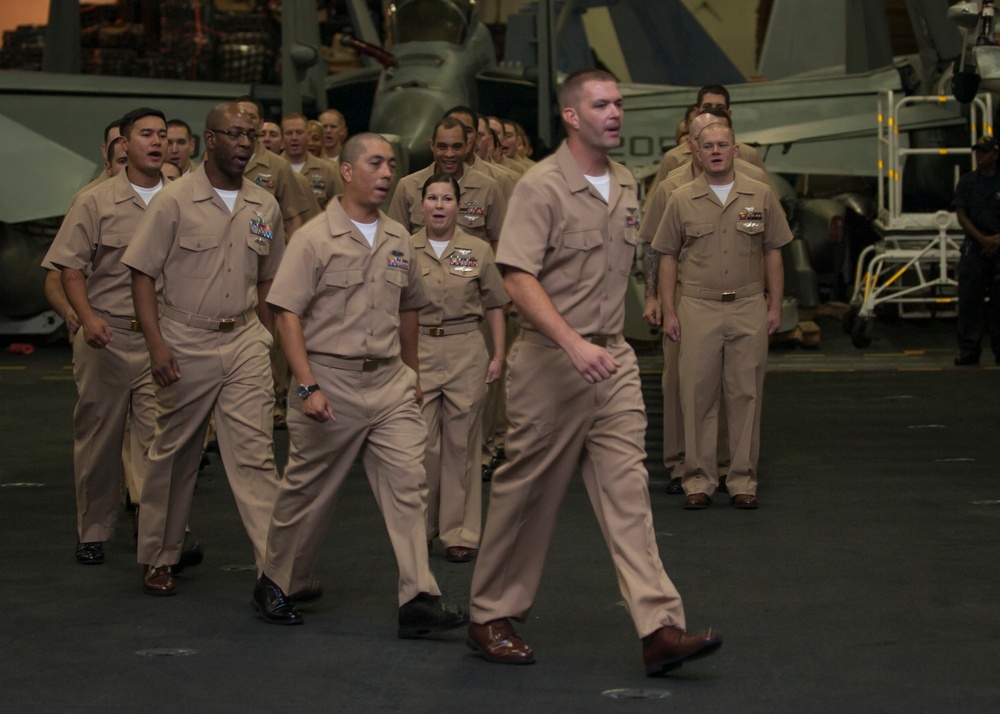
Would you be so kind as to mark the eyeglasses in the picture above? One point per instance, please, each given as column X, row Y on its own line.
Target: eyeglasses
column 235, row 135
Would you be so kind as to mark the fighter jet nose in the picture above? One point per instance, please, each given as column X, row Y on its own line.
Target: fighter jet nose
column 411, row 115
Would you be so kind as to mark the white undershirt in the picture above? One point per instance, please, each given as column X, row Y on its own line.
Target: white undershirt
column 297, row 168
column 368, row 230
column 602, row 183
column 722, row 191
column 228, row 197
column 147, row 193
column 438, row 245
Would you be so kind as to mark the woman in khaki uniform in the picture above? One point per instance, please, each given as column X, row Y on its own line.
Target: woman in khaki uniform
column 464, row 285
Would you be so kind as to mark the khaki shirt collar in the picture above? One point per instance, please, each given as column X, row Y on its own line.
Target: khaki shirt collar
column 202, row 190
column 341, row 225
column 621, row 178
column 459, row 239
column 123, row 190
column 701, row 189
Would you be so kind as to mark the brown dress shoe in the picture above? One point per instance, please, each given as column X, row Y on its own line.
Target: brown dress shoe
column 459, row 554
column 159, row 581
column 697, row 501
column 497, row 642
column 744, row 501
column 669, row 647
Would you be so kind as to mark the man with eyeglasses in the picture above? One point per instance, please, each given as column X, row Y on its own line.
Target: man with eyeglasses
column 216, row 240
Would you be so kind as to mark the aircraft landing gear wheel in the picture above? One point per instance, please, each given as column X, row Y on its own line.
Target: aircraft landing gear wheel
column 861, row 333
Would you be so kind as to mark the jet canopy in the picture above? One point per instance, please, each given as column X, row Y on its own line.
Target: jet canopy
column 431, row 21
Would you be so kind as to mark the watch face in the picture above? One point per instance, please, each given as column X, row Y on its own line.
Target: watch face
column 303, row 392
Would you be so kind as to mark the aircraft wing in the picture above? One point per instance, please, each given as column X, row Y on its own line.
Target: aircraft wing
column 46, row 178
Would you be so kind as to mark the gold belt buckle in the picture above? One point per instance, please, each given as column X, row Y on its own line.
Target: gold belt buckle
column 436, row 332
column 369, row 364
column 729, row 296
column 600, row 340
column 227, row 325
column 134, row 326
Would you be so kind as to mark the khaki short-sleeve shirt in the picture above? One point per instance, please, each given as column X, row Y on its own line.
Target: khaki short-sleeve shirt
column 481, row 207
column 721, row 247
column 349, row 294
column 210, row 260
column 92, row 239
column 273, row 173
column 580, row 248
column 462, row 283
column 324, row 178
column 656, row 203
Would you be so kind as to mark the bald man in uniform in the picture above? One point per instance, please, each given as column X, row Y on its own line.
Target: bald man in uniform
column 716, row 231
column 347, row 298
column 110, row 363
column 573, row 390
column 483, row 206
column 713, row 96
column 215, row 239
column 673, row 421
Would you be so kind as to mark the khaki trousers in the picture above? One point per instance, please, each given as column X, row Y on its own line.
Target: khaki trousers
column 560, row 424
column 114, row 388
column 377, row 415
column 453, row 379
column 723, row 345
column 495, row 410
column 673, row 415
column 228, row 374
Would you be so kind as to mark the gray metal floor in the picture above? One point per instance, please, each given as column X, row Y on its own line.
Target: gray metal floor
column 866, row 582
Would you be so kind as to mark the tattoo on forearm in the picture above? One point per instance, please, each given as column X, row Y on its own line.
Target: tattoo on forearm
column 651, row 269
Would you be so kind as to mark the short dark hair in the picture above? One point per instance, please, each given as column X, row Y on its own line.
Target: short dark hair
column 716, row 112
column 182, row 124
column 441, row 178
column 461, row 109
column 570, row 87
column 448, row 122
column 116, row 124
column 712, row 89
column 135, row 115
column 109, row 152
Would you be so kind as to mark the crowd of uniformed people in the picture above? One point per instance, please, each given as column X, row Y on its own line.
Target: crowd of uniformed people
column 471, row 331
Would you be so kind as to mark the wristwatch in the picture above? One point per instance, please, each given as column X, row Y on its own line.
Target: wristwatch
column 305, row 391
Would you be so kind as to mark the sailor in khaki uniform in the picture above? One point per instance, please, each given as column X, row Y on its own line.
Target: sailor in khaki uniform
column 346, row 299
column 483, row 207
column 464, row 287
column 322, row 175
column 656, row 203
column 110, row 362
column 215, row 240
column 717, row 231
column 574, row 397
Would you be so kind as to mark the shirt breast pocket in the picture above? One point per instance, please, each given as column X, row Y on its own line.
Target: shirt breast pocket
column 198, row 254
column 698, row 238
column 751, row 233
column 344, row 289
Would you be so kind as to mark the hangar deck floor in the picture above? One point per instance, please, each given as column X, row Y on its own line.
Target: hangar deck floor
column 862, row 584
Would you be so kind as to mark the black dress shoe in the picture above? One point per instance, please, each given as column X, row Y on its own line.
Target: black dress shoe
column 425, row 614
column 90, row 553
column 191, row 554
column 273, row 605
column 674, row 487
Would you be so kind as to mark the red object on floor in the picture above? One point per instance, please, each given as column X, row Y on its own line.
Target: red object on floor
column 20, row 348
